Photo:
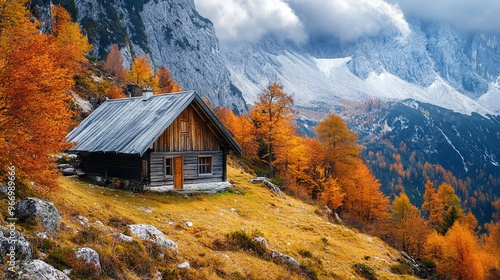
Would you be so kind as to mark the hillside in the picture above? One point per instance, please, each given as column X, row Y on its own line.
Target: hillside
column 92, row 214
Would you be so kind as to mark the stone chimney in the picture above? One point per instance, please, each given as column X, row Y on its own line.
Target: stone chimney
column 147, row 92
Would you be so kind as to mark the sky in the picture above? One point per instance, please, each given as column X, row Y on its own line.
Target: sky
column 346, row 20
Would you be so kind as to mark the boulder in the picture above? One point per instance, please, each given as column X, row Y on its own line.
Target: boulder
column 69, row 171
column 123, row 237
column 13, row 238
column 45, row 212
column 39, row 270
column 91, row 257
column 262, row 241
column 184, row 265
column 284, row 258
column 64, row 166
column 151, row 233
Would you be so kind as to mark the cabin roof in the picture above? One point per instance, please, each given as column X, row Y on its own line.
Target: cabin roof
column 132, row 125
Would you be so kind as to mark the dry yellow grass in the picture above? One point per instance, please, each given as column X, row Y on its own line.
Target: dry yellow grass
column 288, row 224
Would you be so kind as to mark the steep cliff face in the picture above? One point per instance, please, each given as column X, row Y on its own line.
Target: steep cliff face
column 435, row 63
column 169, row 33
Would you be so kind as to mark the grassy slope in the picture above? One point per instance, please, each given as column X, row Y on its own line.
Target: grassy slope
column 288, row 224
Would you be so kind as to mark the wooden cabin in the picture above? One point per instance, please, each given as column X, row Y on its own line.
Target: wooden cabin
column 166, row 140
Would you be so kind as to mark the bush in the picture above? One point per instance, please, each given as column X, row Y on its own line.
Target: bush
column 87, row 235
column 365, row 271
column 240, row 240
column 65, row 258
column 308, row 272
column 305, row 253
column 119, row 223
column 401, row 268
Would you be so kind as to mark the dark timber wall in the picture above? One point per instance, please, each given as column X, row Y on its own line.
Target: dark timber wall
column 112, row 165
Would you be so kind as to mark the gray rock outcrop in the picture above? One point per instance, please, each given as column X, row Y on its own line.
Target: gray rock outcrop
column 151, row 233
column 284, row 258
column 22, row 249
column 90, row 256
column 39, row 270
column 44, row 212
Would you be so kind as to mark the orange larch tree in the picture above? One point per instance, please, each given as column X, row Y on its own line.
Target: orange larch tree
column 165, row 82
column 242, row 128
column 69, row 40
column 141, row 73
column 408, row 229
column 363, row 200
column 36, row 73
column 432, row 207
column 339, row 144
column 272, row 115
column 457, row 254
column 114, row 64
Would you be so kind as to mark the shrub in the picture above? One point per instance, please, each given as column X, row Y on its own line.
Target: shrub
column 401, row 268
column 119, row 223
column 365, row 271
column 308, row 272
column 87, row 235
column 305, row 253
column 240, row 240
column 64, row 258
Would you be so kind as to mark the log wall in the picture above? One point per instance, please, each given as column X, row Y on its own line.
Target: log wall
column 190, row 165
column 189, row 132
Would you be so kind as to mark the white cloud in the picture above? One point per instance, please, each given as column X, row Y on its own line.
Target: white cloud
column 472, row 15
column 344, row 19
column 349, row 19
column 251, row 19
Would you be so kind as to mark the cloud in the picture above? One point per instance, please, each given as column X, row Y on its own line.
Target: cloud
column 349, row 19
column 251, row 19
column 346, row 20
column 471, row 15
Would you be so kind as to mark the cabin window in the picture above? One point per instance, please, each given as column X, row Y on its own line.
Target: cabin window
column 167, row 167
column 205, row 165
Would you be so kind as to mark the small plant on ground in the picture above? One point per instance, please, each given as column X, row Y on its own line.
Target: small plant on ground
column 401, row 268
column 65, row 258
column 324, row 240
column 365, row 271
column 241, row 240
column 308, row 272
column 305, row 253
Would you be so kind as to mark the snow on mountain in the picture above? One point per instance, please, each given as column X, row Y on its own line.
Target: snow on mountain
column 435, row 64
column 326, row 82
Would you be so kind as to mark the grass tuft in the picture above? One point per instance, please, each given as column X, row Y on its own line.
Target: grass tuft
column 365, row 271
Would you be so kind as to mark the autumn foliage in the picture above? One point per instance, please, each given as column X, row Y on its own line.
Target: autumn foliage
column 326, row 168
column 164, row 82
column 36, row 73
column 114, row 64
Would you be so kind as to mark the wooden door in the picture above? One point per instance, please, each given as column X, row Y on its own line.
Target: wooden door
column 178, row 173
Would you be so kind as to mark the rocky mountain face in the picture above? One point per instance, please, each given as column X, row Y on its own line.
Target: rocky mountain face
column 435, row 63
column 407, row 142
column 169, row 33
